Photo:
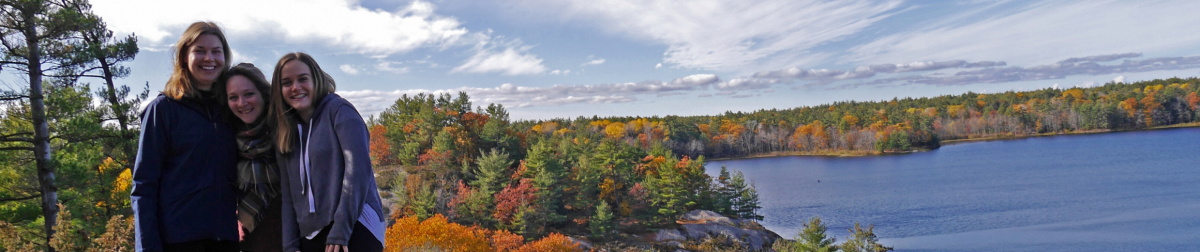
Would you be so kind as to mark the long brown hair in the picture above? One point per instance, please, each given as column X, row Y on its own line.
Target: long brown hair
column 180, row 84
column 285, row 116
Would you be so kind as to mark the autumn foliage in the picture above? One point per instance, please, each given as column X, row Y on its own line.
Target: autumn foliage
column 438, row 234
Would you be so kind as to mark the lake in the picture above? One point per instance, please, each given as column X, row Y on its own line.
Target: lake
column 1125, row 191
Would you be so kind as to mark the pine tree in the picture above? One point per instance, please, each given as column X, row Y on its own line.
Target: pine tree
column 811, row 239
column 863, row 240
column 601, row 223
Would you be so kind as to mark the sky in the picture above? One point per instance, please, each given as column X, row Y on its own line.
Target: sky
column 545, row 59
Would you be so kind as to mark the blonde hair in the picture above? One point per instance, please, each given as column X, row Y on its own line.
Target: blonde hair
column 180, row 84
column 285, row 116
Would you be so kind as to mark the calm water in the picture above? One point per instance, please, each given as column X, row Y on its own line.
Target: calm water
column 1129, row 191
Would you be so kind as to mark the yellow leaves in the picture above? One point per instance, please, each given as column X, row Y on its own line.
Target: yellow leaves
column 1129, row 105
column 108, row 165
column 911, row 110
column 850, row 119
column 731, row 129
column 123, row 181
column 545, row 127
column 600, row 123
column 615, row 130
column 640, row 123
column 1020, row 108
column 1152, row 89
column 119, row 193
column 954, row 110
column 1075, row 93
column 608, row 189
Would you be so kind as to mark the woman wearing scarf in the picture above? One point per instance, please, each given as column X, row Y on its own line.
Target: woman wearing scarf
column 245, row 90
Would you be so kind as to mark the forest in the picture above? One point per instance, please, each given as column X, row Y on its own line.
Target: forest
column 591, row 176
column 460, row 175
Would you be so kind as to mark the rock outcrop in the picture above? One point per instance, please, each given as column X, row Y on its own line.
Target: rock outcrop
column 700, row 226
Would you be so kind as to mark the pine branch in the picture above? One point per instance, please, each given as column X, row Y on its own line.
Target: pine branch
column 21, row 198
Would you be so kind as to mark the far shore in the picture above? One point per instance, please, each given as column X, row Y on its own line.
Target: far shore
column 851, row 154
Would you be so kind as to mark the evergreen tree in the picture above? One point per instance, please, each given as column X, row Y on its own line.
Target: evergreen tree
column 863, row 240
column 601, row 224
column 492, row 173
column 745, row 198
column 811, row 239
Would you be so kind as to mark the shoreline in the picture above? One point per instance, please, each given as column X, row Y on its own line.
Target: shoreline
column 853, row 154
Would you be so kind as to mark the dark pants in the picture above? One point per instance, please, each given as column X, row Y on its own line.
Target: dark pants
column 361, row 240
column 268, row 234
column 202, row 246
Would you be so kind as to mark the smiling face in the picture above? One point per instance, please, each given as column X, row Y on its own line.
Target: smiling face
column 244, row 99
column 206, row 59
column 296, row 82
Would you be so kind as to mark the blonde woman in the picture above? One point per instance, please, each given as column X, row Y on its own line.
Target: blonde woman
column 330, row 202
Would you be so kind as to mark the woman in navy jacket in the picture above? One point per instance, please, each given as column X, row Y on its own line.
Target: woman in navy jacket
column 330, row 199
column 183, row 195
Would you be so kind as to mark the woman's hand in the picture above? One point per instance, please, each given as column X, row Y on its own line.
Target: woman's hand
column 336, row 248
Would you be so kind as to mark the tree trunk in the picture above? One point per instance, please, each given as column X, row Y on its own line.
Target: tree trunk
column 41, row 130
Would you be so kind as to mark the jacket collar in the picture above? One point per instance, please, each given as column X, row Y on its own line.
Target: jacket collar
column 204, row 106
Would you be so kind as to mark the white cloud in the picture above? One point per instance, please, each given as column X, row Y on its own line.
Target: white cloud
column 726, row 35
column 348, row 69
column 1043, row 32
column 658, row 66
column 238, row 57
column 371, row 102
column 386, row 66
column 980, row 72
column 594, row 62
column 747, row 84
column 560, row 72
column 343, row 24
column 1119, row 79
column 511, row 61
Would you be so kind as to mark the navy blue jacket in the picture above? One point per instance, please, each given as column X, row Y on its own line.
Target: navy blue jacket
column 183, row 178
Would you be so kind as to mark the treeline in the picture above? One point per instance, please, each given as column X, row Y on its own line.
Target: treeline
column 438, row 156
column 899, row 125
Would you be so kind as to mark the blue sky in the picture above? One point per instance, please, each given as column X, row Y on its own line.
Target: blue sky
column 565, row 58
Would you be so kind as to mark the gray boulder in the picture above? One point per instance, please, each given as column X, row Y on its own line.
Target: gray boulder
column 698, row 226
